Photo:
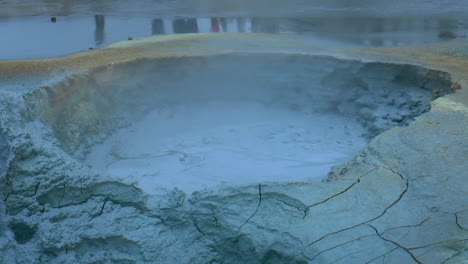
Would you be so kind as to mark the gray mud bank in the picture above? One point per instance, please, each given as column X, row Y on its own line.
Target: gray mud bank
column 218, row 159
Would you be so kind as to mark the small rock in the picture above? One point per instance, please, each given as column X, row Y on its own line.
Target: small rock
column 23, row 232
column 398, row 119
column 447, row 34
column 456, row 86
column 53, row 19
column 431, row 122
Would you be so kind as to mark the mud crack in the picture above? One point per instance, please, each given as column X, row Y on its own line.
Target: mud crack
column 402, row 194
column 457, row 222
column 337, row 246
column 358, row 238
column 256, row 210
column 453, row 256
column 337, row 194
column 100, row 211
column 407, row 226
column 382, row 256
column 396, row 244
column 215, row 219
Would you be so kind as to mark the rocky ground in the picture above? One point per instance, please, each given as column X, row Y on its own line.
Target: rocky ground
column 401, row 199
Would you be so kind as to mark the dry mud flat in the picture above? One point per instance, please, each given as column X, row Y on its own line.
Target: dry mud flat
column 400, row 199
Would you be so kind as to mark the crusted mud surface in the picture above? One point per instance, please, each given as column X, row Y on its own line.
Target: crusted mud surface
column 401, row 199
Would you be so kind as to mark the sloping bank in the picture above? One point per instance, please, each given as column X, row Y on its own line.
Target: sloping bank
column 401, row 199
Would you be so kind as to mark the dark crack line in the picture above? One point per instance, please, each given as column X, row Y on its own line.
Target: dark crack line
column 382, row 256
column 287, row 204
column 458, row 223
column 390, row 169
column 406, row 233
column 100, row 211
column 396, row 244
column 135, row 205
column 337, row 194
column 214, row 217
column 22, row 209
column 342, row 244
column 453, row 256
column 354, row 253
column 368, row 221
column 63, row 195
column 329, row 198
column 103, row 205
column 6, row 197
column 407, row 226
column 397, row 173
column 392, row 204
column 336, row 232
column 256, row 210
column 394, row 171
column 438, row 243
column 198, row 229
column 36, row 188
column 170, row 244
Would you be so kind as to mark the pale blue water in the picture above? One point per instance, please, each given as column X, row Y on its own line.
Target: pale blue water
column 26, row 30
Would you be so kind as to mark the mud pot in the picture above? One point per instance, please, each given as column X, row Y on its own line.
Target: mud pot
column 192, row 123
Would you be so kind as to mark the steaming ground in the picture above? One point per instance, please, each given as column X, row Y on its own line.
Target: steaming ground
column 195, row 146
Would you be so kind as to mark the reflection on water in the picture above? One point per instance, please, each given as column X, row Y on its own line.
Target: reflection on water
column 201, row 25
column 99, row 34
column 230, row 8
column 157, row 26
column 35, row 37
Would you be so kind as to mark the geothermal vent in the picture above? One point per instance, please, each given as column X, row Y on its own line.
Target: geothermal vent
column 193, row 122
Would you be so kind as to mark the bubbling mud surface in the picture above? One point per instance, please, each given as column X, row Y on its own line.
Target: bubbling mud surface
column 193, row 123
column 196, row 146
